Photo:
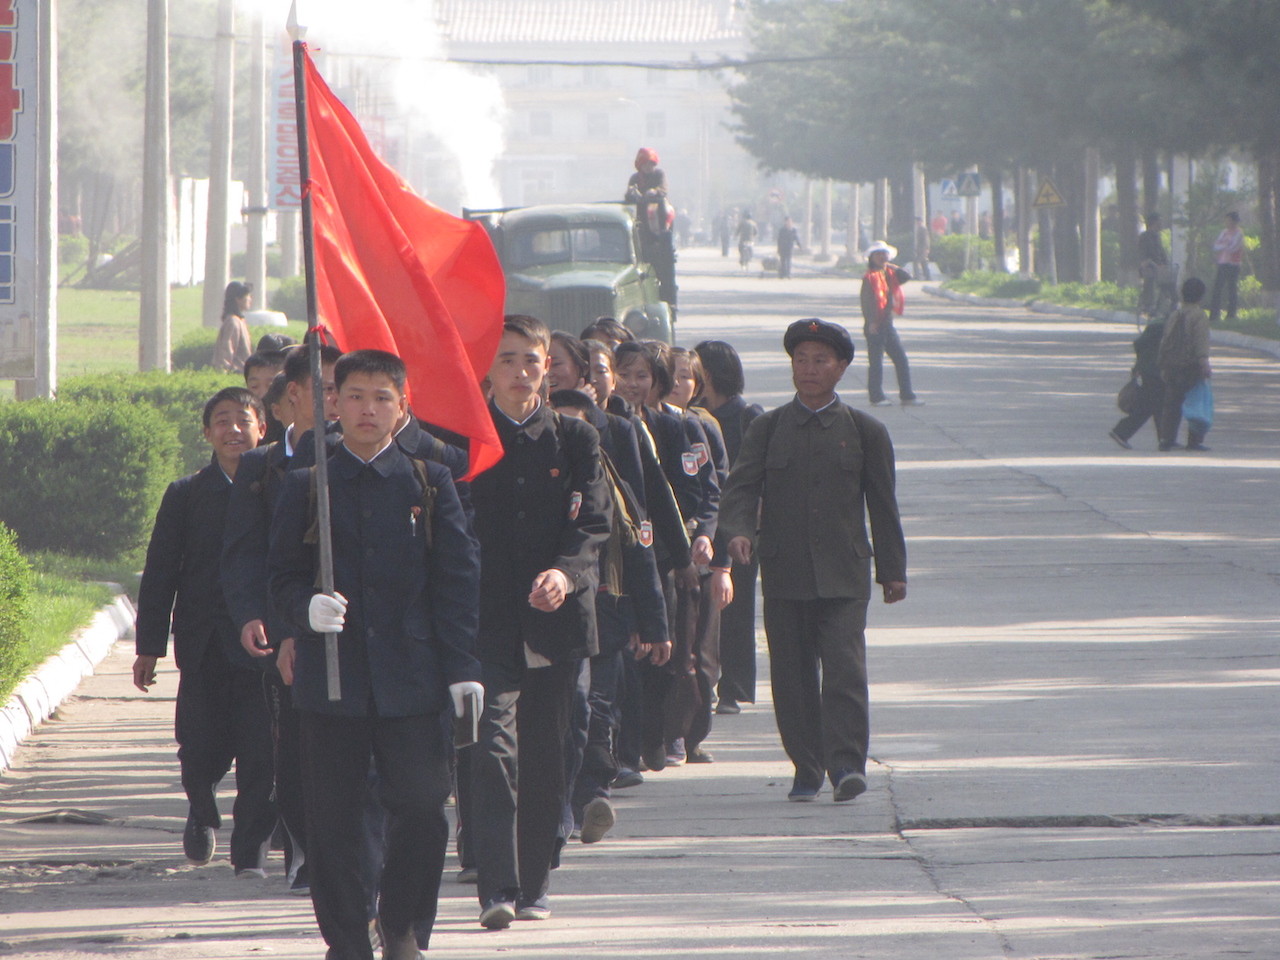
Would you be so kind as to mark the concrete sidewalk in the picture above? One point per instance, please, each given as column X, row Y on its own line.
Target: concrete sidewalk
column 1073, row 714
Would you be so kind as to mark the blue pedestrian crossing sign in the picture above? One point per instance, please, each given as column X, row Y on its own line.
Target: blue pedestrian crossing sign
column 968, row 184
column 949, row 190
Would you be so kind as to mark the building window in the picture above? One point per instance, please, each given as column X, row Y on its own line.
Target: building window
column 597, row 125
column 595, row 77
column 657, row 78
column 655, row 125
column 536, row 185
column 540, row 75
column 540, row 123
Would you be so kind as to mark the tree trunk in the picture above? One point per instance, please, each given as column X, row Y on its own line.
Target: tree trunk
column 994, row 177
column 1127, row 202
column 1268, row 260
column 1022, row 197
column 1150, row 181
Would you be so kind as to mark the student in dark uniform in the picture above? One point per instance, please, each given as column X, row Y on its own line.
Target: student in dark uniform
column 221, row 716
column 631, row 617
column 812, row 471
column 643, row 380
column 245, row 546
column 689, row 705
column 671, row 551
column 406, row 578
column 542, row 514
column 722, row 395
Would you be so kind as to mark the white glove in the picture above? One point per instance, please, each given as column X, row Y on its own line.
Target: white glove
column 459, row 692
column 327, row 614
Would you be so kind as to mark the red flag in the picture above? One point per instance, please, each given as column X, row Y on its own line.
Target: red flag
column 395, row 273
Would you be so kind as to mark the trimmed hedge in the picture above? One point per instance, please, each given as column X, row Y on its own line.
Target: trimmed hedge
column 179, row 397
column 195, row 350
column 83, row 478
column 15, row 605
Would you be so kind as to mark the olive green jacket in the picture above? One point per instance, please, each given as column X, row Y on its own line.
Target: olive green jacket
column 807, row 477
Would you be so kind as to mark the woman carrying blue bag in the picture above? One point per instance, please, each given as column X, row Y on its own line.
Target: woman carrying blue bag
column 1184, row 368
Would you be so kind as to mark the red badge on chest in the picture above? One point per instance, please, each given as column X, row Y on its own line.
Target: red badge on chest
column 575, row 505
column 646, row 533
column 690, row 463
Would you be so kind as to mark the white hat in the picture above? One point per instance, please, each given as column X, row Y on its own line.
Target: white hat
column 881, row 247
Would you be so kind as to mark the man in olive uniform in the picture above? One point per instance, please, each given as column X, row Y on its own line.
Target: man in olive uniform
column 808, row 468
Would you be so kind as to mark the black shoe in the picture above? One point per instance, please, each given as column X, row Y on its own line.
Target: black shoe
column 627, row 778
column 1166, row 447
column 1197, row 446
column 301, row 884
column 698, row 755
column 497, row 914
column 729, row 707
column 1120, row 440
column 655, row 757
column 803, row 792
column 403, row 946
column 848, row 784
column 598, row 819
column 198, row 842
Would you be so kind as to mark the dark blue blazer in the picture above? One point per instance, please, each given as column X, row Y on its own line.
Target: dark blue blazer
column 411, row 615
column 180, row 587
column 543, row 505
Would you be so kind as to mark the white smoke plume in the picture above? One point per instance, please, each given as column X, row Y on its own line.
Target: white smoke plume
column 389, row 54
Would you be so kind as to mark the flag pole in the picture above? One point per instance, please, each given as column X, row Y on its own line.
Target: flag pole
column 313, row 335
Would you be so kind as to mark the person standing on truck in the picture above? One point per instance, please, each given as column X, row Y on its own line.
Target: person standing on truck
column 647, row 189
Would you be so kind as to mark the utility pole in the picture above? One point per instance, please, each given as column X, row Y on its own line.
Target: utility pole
column 808, row 214
column 853, row 234
column 1181, row 175
column 255, row 254
column 880, row 211
column 153, row 314
column 45, row 320
column 217, row 259
column 1022, row 201
column 1092, row 232
column 825, row 252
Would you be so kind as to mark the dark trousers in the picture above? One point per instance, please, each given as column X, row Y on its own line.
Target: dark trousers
column 515, row 829
column 738, row 638
column 660, row 251
column 1227, row 278
column 575, row 746
column 221, row 718
column 462, row 791
column 1177, row 384
column 1147, row 406
column 411, row 755
column 878, row 344
column 784, row 264
column 688, row 708
column 818, row 666
column 288, row 759
column 599, row 763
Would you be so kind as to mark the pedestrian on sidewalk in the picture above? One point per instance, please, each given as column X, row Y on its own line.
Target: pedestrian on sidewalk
column 221, row 716
column 542, row 515
column 722, row 395
column 233, row 346
column 829, row 466
column 404, row 557
column 1230, row 250
column 1150, row 395
column 788, row 241
column 920, row 244
column 1184, row 362
column 882, row 297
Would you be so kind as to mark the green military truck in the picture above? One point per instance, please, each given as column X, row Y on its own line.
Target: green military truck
column 568, row 264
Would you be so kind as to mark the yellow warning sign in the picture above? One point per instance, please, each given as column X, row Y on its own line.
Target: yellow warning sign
column 1048, row 195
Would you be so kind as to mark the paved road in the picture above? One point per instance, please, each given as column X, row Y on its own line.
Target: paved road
column 1074, row 713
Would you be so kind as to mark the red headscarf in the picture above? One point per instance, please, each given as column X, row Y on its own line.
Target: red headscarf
column 646, row 154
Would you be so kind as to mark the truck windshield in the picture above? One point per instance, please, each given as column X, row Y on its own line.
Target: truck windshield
column 595, row 243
